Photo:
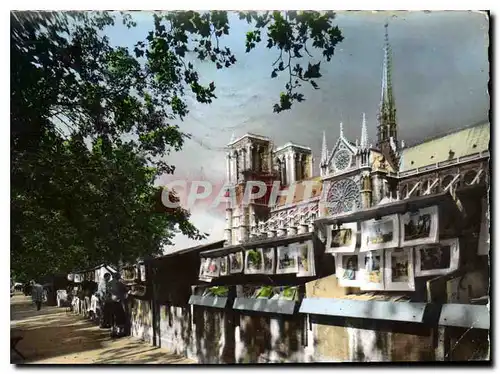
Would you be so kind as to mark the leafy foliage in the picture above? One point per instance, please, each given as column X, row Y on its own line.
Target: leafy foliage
column 92, row 125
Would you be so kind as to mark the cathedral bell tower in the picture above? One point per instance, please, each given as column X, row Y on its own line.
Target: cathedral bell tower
column 387, row 131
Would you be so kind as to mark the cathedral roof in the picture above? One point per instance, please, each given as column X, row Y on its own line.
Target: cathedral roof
column 457, row 144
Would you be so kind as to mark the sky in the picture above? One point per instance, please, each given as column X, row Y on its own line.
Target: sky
column 440, row 77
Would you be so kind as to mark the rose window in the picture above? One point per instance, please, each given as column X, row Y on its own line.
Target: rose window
column 342, row 160
column 343, row 196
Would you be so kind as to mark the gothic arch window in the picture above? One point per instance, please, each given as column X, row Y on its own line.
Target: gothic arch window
column 343, row 196
column 237, row 164
column 298, row 168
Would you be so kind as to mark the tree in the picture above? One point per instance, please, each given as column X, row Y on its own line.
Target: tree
column 92, row 124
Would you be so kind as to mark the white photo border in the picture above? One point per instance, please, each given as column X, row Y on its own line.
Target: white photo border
column 339, row 271
column 366, row 285
column 433, row 237
column 365, row 231
column 353, row 226
column 399, row 286
column 292, row 248
column 257, row 271
column 310, row 257
column 454, row 258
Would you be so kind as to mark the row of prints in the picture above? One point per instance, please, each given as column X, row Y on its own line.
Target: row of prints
column 395, row 269
column 393, row 231
column 296, row 258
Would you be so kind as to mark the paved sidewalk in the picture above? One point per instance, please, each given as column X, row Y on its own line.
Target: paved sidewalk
column 53, row 336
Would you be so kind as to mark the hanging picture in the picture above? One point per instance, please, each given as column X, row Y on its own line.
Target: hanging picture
column 254, row 261
column 71, row 277
column 398, row 269
column 372, row 263
column 437, row 259
column 287, row 260
column 204, row 265
column 224, row 266
column 347, row 269
column 236, row 262
column 305, row 259
column 420, row 227
column 77, row 278
column 341, row 239
column 269, row 260
column 213, row 267
column 380, row 233
column 142, row 271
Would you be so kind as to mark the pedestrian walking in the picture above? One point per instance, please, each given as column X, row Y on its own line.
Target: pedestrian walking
column 37, row 294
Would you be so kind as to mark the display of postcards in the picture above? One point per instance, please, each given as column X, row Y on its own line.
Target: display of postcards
column 224, row 266
column 269, row 260
column 265, row 292
column 216, row 291
column 71, row 277
column 213, row 267
column 142, row 271
column 287, row 260
column 398, row 269
column 347, row 269
column 254, row 261
column 380, row 233
column 77, row 278
column 373, row 270
column 305, row 259
column 236, row 262
column 438, row 259
column 420, row 227
column 341, row 239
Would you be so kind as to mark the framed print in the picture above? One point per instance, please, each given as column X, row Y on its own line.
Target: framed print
column 287, row 260
column 305, row 259
column 398, row 270
column 71, row 277
column 347, row 269
column 380, row 233
column 235, row 262
column 142, row 271
column 269, row 255
column 341, row 239
column 420, row 227
column 77, row 278
column 213, row 267
column 204, row 262
column 224, row 266
column 437, row 259
column 372, row 263
column 254, row 261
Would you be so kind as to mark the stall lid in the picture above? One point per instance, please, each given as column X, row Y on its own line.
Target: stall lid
column 265, row 305
column 465, row 315
column 381, row 310
column 208, row 301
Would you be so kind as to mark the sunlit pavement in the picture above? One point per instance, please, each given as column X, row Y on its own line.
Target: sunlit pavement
column 54, row 336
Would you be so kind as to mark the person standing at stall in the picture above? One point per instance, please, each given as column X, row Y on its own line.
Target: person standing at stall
column 36, row 294
column 118, row 292
column 104, row 295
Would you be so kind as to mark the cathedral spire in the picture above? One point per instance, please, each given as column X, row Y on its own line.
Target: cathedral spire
column 341, row 130
column 364, row 134
column 324, row 151
column 387, row 126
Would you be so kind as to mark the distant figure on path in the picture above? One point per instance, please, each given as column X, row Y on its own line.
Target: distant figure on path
column 37, row 294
